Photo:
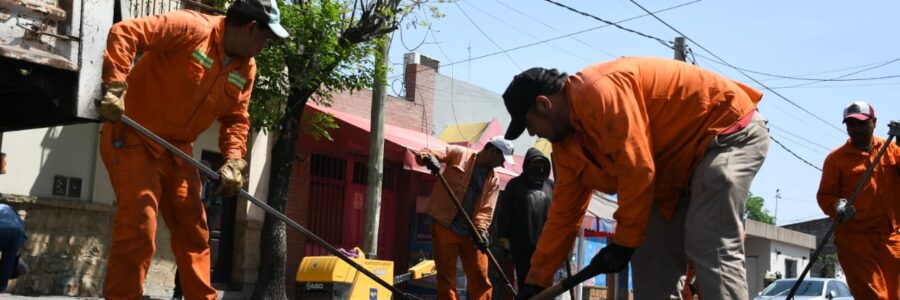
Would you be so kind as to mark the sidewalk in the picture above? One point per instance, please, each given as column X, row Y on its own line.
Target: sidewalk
column 5, row 296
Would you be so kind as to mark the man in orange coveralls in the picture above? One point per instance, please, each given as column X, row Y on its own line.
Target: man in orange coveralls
column 867, row 240
column 195, row 69
column 678, row 144
column 474, row 181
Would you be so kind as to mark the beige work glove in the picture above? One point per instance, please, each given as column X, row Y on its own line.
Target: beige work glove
column 231, row 177
column 112, row 106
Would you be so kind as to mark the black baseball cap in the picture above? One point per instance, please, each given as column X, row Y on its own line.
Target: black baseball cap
column 521, row 93
column 263, row 11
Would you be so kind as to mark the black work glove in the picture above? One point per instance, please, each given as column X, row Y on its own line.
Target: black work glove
column 843, row 211
column 895, row 131
column 483, row 243
column 433, row 165
column 611, row 259
column 528, row 291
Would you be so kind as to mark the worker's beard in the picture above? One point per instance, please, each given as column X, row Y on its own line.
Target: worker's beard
column 561, row 130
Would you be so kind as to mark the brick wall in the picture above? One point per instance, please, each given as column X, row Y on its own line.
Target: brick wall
column 413, row 112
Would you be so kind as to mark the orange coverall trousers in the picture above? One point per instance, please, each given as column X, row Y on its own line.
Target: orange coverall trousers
column 448, row 246
column 147, row 185
column 871, row 262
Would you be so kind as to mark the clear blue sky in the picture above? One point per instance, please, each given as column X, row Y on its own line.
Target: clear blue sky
column 809, row 39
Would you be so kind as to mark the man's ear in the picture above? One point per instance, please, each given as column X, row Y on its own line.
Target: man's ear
column 543, row 103
column 251, row 26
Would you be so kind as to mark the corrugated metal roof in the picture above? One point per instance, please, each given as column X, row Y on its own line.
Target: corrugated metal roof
column 463, row 133
column 545, row 147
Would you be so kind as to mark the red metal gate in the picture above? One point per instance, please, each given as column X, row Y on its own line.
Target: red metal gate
column 326, row 200
column 337, row 204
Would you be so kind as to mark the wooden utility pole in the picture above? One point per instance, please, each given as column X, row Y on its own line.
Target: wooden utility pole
column 376, row 150
column 680, row 49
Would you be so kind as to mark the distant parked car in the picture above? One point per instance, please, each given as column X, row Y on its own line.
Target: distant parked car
column 810, row 288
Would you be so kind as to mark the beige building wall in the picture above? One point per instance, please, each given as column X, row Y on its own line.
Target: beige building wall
column 34, row 157
column 68, row 237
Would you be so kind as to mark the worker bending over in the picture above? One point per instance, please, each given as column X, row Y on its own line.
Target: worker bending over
column 679, row 145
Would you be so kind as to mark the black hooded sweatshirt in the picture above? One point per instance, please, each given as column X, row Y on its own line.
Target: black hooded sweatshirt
column 524, row 204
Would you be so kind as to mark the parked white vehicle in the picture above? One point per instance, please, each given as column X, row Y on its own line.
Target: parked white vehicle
column 810, row 289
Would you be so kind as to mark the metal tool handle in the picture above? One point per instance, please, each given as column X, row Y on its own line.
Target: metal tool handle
column 568, row 283
column 215, row 176
column 859, row 187
column 436, row 172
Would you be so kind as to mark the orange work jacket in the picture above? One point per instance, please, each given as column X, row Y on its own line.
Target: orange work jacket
column 878, row 203
column 641, row 126
column 459, row 163
column 180, row 85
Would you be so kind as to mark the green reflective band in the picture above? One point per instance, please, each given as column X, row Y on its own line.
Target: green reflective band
column 203, row 59
column 236, row 79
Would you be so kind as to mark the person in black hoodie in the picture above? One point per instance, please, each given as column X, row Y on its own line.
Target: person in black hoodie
column 523, row 210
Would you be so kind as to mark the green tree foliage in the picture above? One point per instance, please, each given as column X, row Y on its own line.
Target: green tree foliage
column 827, row 265
column 755, row 210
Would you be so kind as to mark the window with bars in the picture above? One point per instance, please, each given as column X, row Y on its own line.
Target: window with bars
column 144, row 8
column 328, row 167
column 361, row 175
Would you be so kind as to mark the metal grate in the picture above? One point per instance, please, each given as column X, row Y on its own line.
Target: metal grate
column 326, row 213
column 328, row 167
column 144, row 8
column 360, row 173
column 326, row 200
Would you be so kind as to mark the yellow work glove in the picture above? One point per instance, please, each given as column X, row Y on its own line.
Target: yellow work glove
column 231, row 177
column 112, row 106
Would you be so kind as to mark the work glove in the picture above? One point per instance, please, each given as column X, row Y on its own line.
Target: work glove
column 527, row 291
column 112, row 106
column 844, row 211
column 231, row 177
column 481, row 243
column 894, row 129
column 611, row 259
column 428, row 160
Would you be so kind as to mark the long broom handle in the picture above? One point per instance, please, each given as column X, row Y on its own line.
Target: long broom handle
column 859, row 187
column 215, row 176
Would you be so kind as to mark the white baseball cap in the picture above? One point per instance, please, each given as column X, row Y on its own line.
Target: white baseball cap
column 505, row 147
column 859, row 110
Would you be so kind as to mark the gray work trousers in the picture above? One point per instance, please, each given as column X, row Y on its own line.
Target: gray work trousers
column 707, row 226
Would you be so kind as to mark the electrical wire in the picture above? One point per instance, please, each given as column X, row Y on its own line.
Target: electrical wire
column 800, row 137
column 538, row 20
column 487, row 36
column 733, row 67
column 661, row 41
column 779, row 135
column 838, row 78
column 794, row 154
column 403, row 42
column 528, row 34
column 556, row 38
column 452, row 106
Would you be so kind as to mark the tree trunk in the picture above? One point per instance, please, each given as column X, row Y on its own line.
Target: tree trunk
column 270, row 282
